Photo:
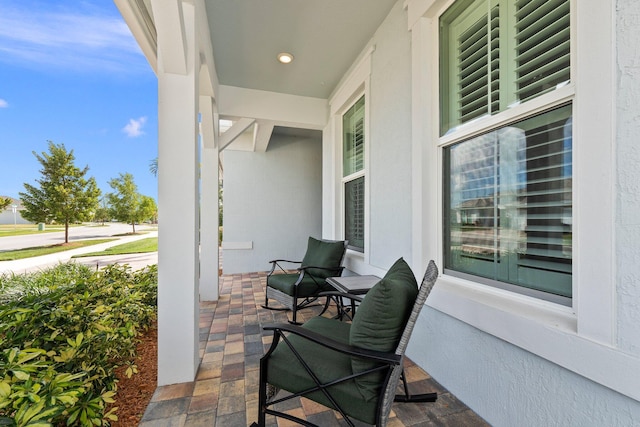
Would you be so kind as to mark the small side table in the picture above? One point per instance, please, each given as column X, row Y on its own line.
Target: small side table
column 356, row 285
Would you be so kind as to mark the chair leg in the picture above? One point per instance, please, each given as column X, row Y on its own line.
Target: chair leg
column 413, row 398
column 266, row 304
column 326, row 306
column 295, row 313
column 262, row 396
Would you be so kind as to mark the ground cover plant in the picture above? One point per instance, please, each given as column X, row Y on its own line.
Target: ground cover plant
column 63, row 333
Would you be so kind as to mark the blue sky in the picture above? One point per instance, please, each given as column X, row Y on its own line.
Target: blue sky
column 71, row 72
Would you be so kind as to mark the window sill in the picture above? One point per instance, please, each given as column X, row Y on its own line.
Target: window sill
column 465, row 297
column 542, row 328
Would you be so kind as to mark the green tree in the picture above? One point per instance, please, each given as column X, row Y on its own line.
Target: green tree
column 220, row 197
column 102, row 212
column 63, row 194
column 4, row 202
column 153, row 167
column 148, row 210
column 126, row 204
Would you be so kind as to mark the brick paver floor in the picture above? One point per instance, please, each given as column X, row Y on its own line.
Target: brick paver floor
column 225, row 392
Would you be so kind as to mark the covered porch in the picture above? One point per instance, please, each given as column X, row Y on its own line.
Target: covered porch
column 370, row 113
column 225, row 390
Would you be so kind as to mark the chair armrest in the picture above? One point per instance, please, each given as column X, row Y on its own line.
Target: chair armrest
column 378, row 356
column 276, row 263
column 319, row 280
column 285, row 260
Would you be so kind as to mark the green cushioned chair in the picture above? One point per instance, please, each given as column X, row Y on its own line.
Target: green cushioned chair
column 353, row 368
column 298, row 290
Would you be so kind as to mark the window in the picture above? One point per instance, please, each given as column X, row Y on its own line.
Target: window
column 353, row 174
column 498, row 53
column 508, row 186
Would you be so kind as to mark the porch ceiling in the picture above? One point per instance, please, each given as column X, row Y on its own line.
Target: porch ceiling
column 324, row 36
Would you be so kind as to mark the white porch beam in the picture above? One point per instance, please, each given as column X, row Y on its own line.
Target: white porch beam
column 234, row 132
column 168, row 17
column 209, row 222
column 262, row 131
column 207, row 83
column 139, row 21
column 178, row 304
column 208, row 78
column 244, row 142
column 279, row 108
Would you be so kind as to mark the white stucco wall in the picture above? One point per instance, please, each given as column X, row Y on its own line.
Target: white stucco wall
column 628, row 176
column 503, row 383
column 6, row 217
column 272, row 201
column 511, row 387
column 390, row 142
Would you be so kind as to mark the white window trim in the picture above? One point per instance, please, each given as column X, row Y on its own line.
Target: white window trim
column 343, row 183
column 355, row 85
column 581, row 338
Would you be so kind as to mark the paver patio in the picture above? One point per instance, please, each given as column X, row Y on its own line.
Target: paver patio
column 225, row 392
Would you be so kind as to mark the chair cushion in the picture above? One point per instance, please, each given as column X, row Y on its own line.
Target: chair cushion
column 326, row 254
column 286, row 372
column 380, row 321
column 309, row 286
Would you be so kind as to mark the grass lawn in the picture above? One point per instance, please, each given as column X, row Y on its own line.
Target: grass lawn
column 21, row 229
column 45, row 250
column 149, row 244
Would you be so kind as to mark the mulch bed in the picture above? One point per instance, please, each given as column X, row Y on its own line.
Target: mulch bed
column 133, row 394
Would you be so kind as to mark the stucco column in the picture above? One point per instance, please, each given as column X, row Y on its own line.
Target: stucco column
column 209, row 253
column 424, row 162
column 178, row 305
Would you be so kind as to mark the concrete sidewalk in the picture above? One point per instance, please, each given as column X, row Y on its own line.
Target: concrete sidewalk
column 136, row 261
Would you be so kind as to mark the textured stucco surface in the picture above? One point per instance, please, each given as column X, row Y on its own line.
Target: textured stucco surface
column 272, row 199
column 628, row 175
column 511, row 387
column 390, row 141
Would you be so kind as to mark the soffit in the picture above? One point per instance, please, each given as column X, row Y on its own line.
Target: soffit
column 325, row 37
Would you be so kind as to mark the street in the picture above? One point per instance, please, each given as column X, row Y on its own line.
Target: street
column 117, row 230
column 75, row 233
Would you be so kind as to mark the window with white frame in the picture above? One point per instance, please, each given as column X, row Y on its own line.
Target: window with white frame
column 507, row 184
column 353, row 146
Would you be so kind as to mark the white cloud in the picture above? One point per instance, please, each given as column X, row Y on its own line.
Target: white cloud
column 78, row 38
column 3, row 103
column 134, row 127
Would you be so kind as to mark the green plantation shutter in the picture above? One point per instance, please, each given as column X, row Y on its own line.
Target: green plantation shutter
column 542, row 46
column 477, row 76
column 494, row 53
column 353, row 168
column 466, row 62
column 354, row 213
column 544, row 261
column 353, row 138
column 508, row 204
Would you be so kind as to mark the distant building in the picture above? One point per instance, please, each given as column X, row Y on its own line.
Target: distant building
column 7, row 217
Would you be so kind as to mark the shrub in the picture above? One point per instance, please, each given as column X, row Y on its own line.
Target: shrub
column 64, row 332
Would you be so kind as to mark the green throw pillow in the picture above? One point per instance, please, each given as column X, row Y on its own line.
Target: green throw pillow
column 380, row 320
column 322, row 253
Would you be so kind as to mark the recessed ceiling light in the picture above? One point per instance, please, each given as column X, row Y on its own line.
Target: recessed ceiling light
column 285, row 57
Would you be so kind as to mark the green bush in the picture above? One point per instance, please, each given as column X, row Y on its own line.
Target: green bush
column 64, row 331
